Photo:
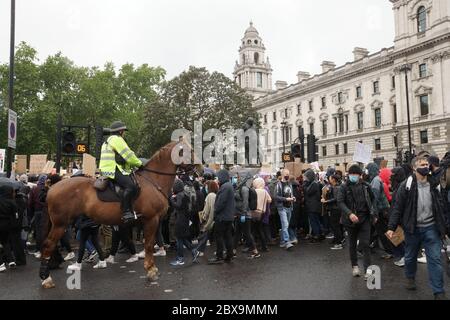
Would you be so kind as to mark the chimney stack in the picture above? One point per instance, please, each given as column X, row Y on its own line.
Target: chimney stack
column 280, row 84
column 302, row 75
column 327, row 66
column 360, row 53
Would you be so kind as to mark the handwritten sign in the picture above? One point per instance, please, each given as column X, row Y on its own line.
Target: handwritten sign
column 363, row 153
column 2, row 159
column 37, row 163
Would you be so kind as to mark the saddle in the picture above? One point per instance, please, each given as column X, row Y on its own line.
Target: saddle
column 108, row 191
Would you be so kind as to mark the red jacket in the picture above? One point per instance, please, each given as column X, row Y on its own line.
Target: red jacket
column 385, row 176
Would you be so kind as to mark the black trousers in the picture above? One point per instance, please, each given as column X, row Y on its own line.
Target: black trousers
column 258, row 229
column 5, row 254
column 244, row 229
column 223, row 232
column 65, row 241
column 360, row 232
column 122, row 234
column 381, row 228
column 335, row 217
column 38, row 229
column 85, row 233
column 130, row 189
column 159, row 236
column 18, row 250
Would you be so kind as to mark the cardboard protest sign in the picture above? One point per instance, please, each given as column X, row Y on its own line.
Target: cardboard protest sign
column 398, row 237
column 384, row 164
column 37, row 163
column 21, row 164
column 48, row 168
column 89, row 165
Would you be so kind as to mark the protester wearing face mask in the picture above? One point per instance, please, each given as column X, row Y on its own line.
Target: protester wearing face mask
column 284, row 200
column 419, row 209
column 356, row 201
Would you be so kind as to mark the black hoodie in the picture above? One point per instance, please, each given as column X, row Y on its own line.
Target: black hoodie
column 225, row 204
column 8, row 208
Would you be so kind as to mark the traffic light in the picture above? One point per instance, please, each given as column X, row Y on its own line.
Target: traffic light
column 312, row 148
column 296, row 150
column 69, row 143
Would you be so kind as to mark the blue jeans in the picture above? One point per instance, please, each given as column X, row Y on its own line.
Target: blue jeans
column 89, row 246
column 314, row 220
column 428, row 238
column 181, row 243
column 287, row 234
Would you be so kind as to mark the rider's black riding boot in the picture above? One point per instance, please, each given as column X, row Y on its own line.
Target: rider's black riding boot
column 128, row 213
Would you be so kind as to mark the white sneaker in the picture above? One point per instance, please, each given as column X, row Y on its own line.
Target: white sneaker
column 12, row 265
column 289, row 245
column 209, row 243
column 294, row 242
column 69, row 256
column 37, row 255
column 160, row 253
column 422, row 259
column 2, row 268
column 194, row 242
column 368, row 274
column 100, row 265
column 110, row 259
column 133, row 259
column 201, row 254
column 156, row 247
column 400, row 263
column 75, row 266
column 355, row 271
column 141, row 255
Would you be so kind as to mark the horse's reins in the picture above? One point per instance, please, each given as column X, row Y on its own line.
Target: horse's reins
column 154, row 183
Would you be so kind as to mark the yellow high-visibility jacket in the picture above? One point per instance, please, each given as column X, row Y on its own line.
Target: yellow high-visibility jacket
column 108, row 162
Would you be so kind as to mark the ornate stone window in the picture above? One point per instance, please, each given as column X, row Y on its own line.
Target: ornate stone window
column 256, row 57
column 421, row 19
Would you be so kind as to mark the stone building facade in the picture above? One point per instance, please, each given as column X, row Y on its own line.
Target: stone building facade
column 366, row 100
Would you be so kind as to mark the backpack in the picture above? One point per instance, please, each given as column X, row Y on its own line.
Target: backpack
column 252, row 199
column 191, row 194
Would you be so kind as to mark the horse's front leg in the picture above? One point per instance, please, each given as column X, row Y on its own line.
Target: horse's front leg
column 150, row 227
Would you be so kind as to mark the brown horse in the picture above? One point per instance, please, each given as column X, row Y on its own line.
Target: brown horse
column 72, row 197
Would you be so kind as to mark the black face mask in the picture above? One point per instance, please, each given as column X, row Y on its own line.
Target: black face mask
column 286, row 178
column 423, row 171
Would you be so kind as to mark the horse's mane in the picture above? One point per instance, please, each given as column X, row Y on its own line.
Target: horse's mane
column 157, row 156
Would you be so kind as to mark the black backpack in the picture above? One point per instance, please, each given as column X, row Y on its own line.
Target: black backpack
column 252, row 199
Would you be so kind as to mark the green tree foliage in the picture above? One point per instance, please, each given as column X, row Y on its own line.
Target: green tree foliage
column 196, row 94
column 83, row 96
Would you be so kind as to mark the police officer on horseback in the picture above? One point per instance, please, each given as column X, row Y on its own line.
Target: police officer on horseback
column 117, row 161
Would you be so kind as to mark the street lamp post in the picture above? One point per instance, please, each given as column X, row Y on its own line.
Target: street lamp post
column 9, row 153
column 405, row 68
column 283, row 129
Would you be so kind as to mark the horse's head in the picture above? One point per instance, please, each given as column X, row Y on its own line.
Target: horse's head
column 184, row 157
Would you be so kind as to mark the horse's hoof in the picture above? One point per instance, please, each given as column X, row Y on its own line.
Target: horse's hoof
column 48, row 283
column 152, row 274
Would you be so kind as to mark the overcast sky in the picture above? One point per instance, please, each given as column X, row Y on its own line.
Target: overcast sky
column 174, row 34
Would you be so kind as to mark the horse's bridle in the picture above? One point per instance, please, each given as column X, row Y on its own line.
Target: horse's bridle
column 190, row 169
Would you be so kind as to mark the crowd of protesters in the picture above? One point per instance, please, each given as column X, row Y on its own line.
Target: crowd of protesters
column 237, row 213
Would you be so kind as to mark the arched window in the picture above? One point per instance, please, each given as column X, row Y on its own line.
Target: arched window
column 256, row 41
column 256, row 56
column 243, row 59
column 249, row 41
column 421, row 19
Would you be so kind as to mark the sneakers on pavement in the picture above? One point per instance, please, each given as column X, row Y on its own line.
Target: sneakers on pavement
column 37, row 255
column 400, row 263
column 177, row 262
column 141, row 255
column 160, row 253
column 69, row 256
column 2, row 267
column 289, row 246
column 337, row 247
column 75, row 266
column 133, row 258
column 100, row 265
column 355, row 271
column 110, row 259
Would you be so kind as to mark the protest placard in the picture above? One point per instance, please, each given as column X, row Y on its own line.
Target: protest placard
column 37, row 163
column 89, row 165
